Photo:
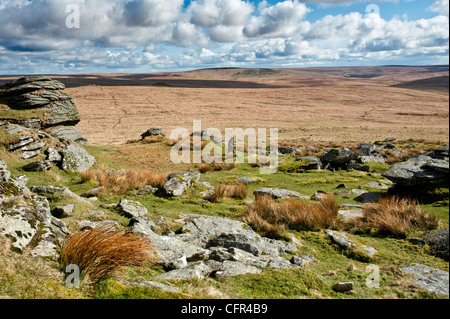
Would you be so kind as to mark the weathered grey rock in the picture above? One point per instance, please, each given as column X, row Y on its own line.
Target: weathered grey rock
column 245, row 179
column 338, row 158
column 344, row 287
column 32, row 147
column 176, row 184
column 358, row 167
column 235, row 268
column 367, row 149
column 67, row 132
column 24, row 141
column 148, row 190
column 288, row 150
column 319, row 196
column 22, row 224
column 64, row 211
column 30, row 84
column 38, row 167
column 277, row 193
column 372, row 159
column 300, row 261
column 76, row 159
column 143, row 226
column 53, row 155
column 419, row 170
column 347, row 215
column 429, row 278
column 438, row 242
column 132, row 209
column 18, row 224
column 29, row 154
column 153, row 132
column 14, row 129
column 372, row 184
column 61, row 191
column 5, row 174
column 369, row 198
column 309, row 162
column 88, row 224
column 352, row 246
column 441, row 153
column 350, row 192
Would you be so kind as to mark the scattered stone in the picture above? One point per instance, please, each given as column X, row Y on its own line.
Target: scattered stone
column 319, row 196
column 302, row 260
column 358, row 167
column 372, row 159
column 338, row 158
column 369, row 198
column 29, row 154
column 353, row 247
column 278, row 193
column 53, row 155
column 429, row 278
column 245, row 179
column 358, row 192
column 148, row 190
column 153, row 132
column 309, row 163
column 288, row 150
column 93, row 192
column 38, row 167
column 371, row 184
column 347, row 215
column 344, row 287
column 64, row 211
column 76, row 159
column 176, row 184
column 5, row 174
column 132, row 209
column 438, row 241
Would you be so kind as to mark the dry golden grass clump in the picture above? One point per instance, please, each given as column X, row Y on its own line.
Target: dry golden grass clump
column 120, row 183
column 99, row 252
column 395, row 217
column 273, row 219
column 216, row 167
column 238, row 191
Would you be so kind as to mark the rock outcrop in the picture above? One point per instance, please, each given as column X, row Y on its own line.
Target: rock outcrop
column 420, row 170
column 176, row 184
column 428, row 278
column 40, row 93
column 218, row 247
column 26, row 219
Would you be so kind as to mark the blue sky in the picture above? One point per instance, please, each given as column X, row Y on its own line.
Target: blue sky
column 140, row 36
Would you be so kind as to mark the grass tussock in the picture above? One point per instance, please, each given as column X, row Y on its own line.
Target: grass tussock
column 394, row 217
column 99, row 252
column 273, row 219
column 120, row 183
column 216, row 167
column 238, row 191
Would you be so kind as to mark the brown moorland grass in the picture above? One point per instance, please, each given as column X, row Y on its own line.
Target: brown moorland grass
column 273, row 219
column 394, row 217
column 238, row 191
column 99, row 252
column 120, row 183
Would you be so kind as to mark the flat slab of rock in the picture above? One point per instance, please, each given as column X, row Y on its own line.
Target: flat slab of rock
column 132, row 209
column 76, row 159
column 429, row 278
column 176, row 184
column 351, row 214
column 67, row 132
column 352, row 246
column 278, row 193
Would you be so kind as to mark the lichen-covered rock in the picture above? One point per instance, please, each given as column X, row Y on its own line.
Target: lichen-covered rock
column 76, row 159
column 277, row 193
column 429, row 278
column 419, row 170
column 38, row 167
column 355, row 248
column 338, row 158
column 176, row 184
column 67, row 132
column 438, row 242
column 5, row 174
column 132, row 209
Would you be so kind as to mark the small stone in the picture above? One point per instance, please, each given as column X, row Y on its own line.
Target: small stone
column 64, row 211
column 344, row 287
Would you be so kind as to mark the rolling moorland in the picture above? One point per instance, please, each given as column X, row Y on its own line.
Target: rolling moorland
column 362, row 182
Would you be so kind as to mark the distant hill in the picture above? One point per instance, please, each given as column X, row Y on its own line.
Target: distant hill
column 440, row 83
